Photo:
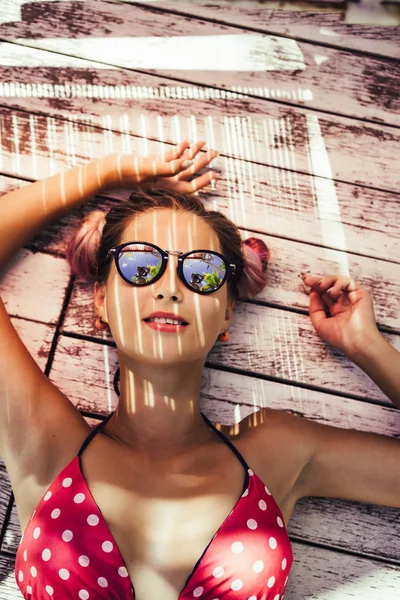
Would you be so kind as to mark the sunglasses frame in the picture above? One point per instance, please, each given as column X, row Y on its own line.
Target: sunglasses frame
column 229, row 272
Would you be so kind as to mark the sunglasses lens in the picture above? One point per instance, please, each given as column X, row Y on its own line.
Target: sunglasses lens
column 204, row 271
column 141, row 263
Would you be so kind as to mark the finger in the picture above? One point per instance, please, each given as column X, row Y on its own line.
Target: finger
column 202, row 181
column 154, row 168
column 193, row 150
column 199, row 163
column 188, row 187
column 334, row 286
column 316, row 310
column 177, row 151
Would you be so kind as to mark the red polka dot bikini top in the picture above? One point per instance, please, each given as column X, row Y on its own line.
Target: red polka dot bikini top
column 68, row 552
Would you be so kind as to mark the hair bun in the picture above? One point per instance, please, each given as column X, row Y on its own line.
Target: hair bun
column 256, row 255
column 83, row 245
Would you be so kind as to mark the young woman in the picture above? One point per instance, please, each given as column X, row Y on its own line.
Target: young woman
column 157, row 501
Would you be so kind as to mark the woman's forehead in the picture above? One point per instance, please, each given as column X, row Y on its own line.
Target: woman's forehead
column 172, row 229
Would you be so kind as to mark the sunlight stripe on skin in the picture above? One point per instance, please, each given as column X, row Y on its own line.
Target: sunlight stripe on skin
column 98, row 174
column 119, row 167
column 80, row 182
column 62, row 186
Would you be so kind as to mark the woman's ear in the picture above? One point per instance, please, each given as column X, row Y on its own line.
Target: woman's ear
column 100, row 306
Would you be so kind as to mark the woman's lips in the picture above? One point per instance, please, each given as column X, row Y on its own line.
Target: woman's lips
column 166, row 327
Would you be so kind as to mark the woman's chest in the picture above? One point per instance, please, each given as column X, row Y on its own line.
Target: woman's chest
column 168, row 526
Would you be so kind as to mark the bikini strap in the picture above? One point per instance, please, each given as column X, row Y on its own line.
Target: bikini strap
column 225, row 439
column 94, row 432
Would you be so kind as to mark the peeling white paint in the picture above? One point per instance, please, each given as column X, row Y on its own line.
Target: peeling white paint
column 326, row 31
column 320, row 59
column 233, row 52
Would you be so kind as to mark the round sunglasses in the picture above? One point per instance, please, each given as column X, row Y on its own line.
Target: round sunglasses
column 143, row 263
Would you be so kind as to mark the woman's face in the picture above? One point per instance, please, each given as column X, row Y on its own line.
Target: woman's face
column 126, row 306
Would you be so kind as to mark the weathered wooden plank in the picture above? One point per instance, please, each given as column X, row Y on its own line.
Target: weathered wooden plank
column 319, row 574
column 326, row 26
column 36, row 337
column 37, row 146
column 8, row 587
column 297, row 73
column 22, row 295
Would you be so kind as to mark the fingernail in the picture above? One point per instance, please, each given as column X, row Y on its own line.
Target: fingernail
column 214, row 183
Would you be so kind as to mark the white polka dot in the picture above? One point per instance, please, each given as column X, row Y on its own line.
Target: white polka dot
column 67, row 535
column 236, row 585
column 284, row 563
column 218, row 571
column 107, row 546
column 252, row 598
column 102, row 581
column 78, row 498
column 55, row 513
column 272, row 543
column 258, row 566
column 286, row 580
column 29, row 589
column 262, row 504
column 267, row 490
column 46, row 554
column 83, row 595
column 83, row 560
column 277, row 597
column 20, row 576
column 250, row 472
column 252, row 524
column 67, row 482
column 93, row 520
column 25, row 555
column 237, row 547
column 63, row 573
column 33, row 571
column 271, row 582
column 245, row 493
column 123, row 572
column 198, row 592
column 280, row 522
column 49, row 590
column 36, row 532
column 47, row 496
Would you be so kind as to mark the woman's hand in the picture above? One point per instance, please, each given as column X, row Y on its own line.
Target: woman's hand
column 351, row 322
column 166, row 171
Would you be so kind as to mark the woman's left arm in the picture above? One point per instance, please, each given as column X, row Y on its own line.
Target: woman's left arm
column 381, row 362
column 346, row 463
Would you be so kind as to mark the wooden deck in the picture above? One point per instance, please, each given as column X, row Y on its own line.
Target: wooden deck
column 305, row 111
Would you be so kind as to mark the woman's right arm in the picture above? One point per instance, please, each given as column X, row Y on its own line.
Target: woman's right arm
column 27, row 210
